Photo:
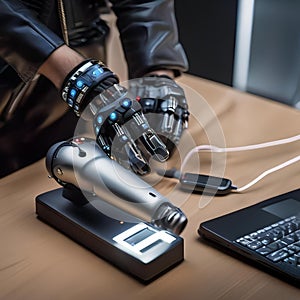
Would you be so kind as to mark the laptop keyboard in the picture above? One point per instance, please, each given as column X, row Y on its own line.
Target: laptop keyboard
column 278, row 242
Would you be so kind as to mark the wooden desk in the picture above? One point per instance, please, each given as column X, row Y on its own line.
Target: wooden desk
column 37, row 262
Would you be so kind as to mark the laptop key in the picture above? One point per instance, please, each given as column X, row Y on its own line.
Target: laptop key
column 264, row 250
column 278, row 255
column 254, row 245
column 277, row 245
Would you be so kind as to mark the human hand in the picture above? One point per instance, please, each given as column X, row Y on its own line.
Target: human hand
column 164, row 105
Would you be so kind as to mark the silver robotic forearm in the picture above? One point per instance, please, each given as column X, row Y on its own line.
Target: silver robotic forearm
column 83, row 164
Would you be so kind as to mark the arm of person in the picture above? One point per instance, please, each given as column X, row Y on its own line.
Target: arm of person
column 30, row 47
column 25, row 42
column 59, row 64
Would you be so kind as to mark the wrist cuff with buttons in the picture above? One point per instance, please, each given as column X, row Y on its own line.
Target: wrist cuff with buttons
column 84, row 82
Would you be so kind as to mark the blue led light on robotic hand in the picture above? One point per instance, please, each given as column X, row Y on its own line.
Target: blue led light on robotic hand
column 113, row 116
column 126, row 103
column 106, row 148
column 99, row 119
column 124, row 138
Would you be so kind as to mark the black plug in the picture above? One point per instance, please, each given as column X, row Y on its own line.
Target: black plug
column 206, row 184
column 200, row 183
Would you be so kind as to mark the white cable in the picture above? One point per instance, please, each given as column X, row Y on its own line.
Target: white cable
column 264, row 174
column 216, row 149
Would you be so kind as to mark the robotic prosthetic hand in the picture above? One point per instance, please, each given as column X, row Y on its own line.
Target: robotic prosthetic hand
column 121, row 129
column 164, row 105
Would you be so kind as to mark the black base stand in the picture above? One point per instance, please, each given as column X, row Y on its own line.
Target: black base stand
column 136, row 247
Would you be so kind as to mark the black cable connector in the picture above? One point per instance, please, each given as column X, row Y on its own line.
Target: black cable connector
column 200, row 183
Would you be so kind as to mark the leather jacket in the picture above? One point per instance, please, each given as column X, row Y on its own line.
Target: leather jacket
column 147, row 30
column 30, row 30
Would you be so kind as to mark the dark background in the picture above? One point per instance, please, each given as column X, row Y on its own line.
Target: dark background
column 207, row 32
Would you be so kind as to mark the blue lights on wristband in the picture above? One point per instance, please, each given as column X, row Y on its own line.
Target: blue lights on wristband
column 81, row 82
column 73, row 93
column 96, row 73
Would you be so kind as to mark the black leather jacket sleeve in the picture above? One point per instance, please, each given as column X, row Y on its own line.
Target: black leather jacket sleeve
column 25, row 42
column 148, row 32
column 149, row 36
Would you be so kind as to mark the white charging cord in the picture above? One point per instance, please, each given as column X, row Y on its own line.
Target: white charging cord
column 216, row 149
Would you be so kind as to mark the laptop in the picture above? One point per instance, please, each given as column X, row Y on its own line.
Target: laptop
column 266, row 234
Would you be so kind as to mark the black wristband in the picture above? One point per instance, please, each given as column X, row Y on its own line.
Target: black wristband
column 77, row 89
